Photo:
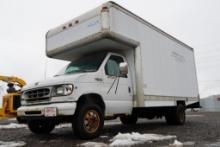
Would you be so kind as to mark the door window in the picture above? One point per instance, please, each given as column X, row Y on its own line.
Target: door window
column 112, row 65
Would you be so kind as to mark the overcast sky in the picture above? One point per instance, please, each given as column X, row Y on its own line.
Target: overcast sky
column 24, row 24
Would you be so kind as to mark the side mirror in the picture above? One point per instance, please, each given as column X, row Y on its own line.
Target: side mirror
column 123, row 67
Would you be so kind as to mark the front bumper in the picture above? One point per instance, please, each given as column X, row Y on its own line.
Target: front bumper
column 63, row 109
column 54, row 120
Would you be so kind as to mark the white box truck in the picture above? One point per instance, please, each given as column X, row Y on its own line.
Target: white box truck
column 120, row 66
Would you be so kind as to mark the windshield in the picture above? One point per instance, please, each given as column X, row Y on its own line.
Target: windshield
column 88, row 63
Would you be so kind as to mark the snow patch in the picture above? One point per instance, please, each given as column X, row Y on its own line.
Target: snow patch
column 93, row 144
column 129, row 139
column 189, row 144
column 176, row 144
column 12, row 126
column 12, row 143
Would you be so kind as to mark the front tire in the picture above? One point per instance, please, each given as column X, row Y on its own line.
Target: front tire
column 88, row 121
column 40, row 127
column 177, row 117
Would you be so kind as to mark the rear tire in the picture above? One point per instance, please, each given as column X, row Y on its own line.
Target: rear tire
column 128, row 119
column 177, row 116
column 40, row 127
column 88, row 121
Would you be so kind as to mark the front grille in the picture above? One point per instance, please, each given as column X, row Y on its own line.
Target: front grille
column 37, row 99
column 37, row 95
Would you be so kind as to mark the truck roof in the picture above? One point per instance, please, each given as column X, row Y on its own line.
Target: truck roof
column 109, row 4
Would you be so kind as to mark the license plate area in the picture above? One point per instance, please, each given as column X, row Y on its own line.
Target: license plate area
column 50, row 112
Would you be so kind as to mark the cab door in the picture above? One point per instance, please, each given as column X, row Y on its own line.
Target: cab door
column 117, row 88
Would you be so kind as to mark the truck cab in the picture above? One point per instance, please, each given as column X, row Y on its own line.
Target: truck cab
column 100, row 80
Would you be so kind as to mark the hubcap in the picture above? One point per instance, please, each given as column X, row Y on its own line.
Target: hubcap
column 91, row 121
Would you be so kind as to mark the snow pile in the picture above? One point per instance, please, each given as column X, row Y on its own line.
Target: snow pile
column 129, row 139
column 176, row 144
column 12, row 144
column 12, row 126
column 93, row 144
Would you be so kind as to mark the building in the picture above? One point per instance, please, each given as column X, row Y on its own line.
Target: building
column 211, row 103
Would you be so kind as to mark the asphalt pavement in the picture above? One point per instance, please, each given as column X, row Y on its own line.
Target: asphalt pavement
column 202, row 129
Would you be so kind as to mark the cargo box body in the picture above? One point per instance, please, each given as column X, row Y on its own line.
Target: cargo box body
column 162, row 67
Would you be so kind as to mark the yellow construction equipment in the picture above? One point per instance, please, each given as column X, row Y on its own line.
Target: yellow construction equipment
column 11, row 101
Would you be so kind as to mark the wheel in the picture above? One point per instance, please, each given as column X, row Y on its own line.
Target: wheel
column 177, row 117
column 40, row 127
column 128, row 120
column 88, row 121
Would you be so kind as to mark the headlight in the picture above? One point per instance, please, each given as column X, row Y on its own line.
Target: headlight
column 62, row 90
column 23, row 102
column 23, row 97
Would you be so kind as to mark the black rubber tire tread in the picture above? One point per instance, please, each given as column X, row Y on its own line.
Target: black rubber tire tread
column 40, row 127
column 129, row 119
column 176, row 117
column 77, row 123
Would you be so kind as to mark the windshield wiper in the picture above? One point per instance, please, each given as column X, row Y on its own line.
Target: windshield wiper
column 79, row 71
column 89, row 70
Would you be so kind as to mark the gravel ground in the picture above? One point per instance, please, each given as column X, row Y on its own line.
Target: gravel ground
column 201, row 128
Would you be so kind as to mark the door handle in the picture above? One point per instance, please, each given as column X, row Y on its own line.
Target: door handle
column 129, row 89
column 99, row 79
